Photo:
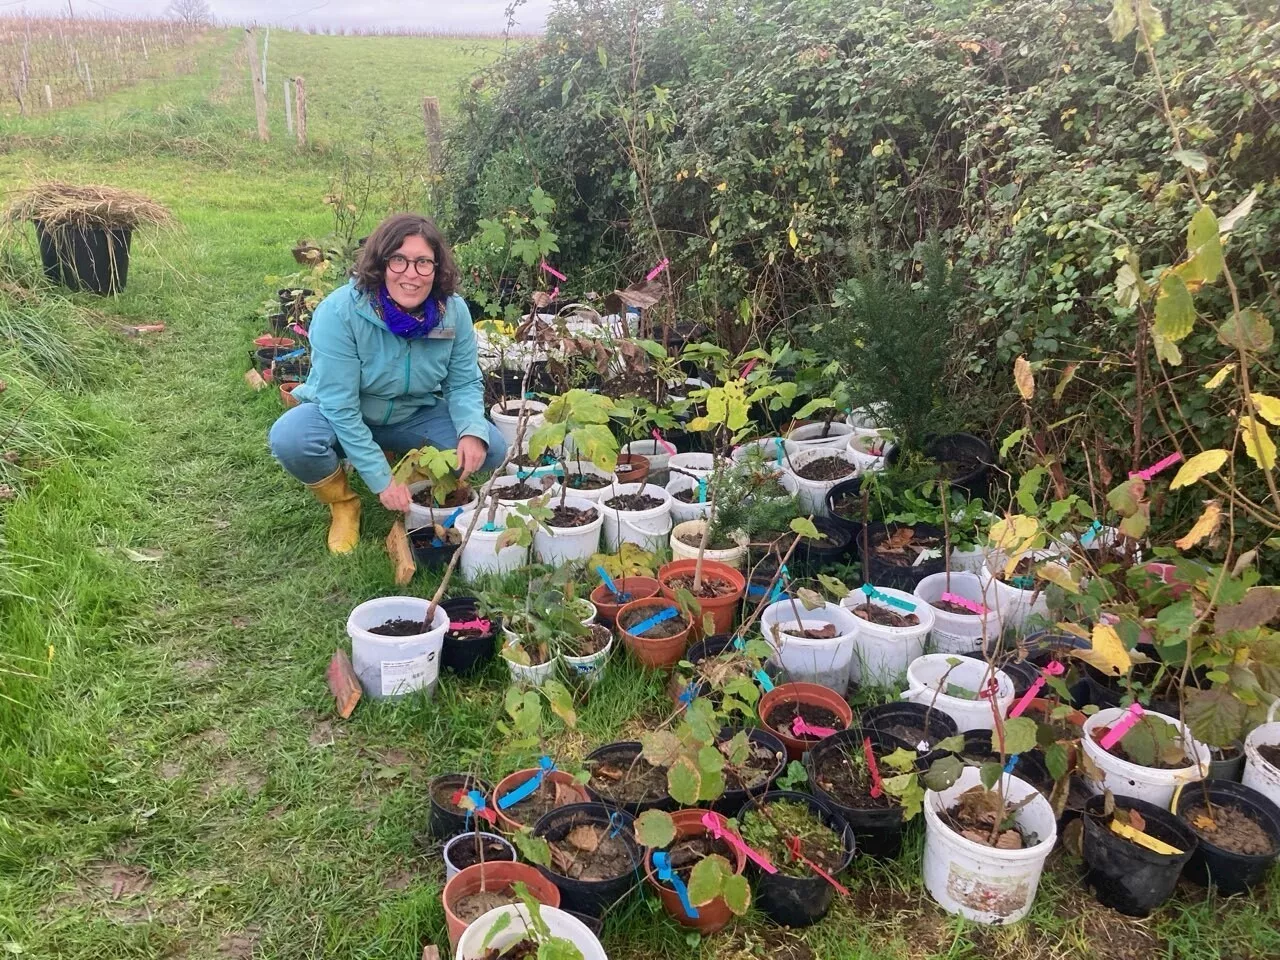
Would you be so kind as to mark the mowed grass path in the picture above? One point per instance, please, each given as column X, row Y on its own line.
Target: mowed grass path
column 179, row 787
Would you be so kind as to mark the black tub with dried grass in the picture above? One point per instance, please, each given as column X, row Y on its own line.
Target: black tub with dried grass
column 85, row 231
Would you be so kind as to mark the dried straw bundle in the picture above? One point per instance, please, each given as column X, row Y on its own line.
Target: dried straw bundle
column 57, row 204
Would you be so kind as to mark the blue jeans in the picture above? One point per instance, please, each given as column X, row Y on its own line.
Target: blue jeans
column 306, row 446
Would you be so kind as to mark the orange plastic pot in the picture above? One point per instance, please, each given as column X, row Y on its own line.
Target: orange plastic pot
column 659, row 653
column 494, row 876
column 810, row 693
column 723, row 609
column 280, row 343
column 639, row 471
column 640, row 588
column 511, row 781
column 712, row 916
column 286, row 393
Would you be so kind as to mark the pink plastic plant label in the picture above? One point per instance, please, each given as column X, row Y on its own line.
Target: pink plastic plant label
column 481, row 625
column 1054, row 669
column 877, row 785
column 800, row 729
column 1122, row 726
column 1156, row 467
column 793, row 847
column 670, row 448
column 965, row 602
column 657, row 270
column 714, row 824
column 549, row 269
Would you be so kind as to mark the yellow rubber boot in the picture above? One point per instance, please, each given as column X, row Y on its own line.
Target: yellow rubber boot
column 344, row 509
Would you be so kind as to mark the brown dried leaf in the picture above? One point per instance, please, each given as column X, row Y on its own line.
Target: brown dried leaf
column 585, row 837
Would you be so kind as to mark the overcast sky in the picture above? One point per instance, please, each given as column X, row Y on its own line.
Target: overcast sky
column 448, row 15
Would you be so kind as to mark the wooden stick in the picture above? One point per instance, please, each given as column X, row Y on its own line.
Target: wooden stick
column 259, row 91
column 288, row 107
column 434, row 131
column 300, row 109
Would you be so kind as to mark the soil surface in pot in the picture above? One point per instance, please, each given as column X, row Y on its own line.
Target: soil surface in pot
column 695, row 540
column 974, row 816
column 826, row 468
column 524, row 950
column 687, row 496
column 1229, row 828
column 588, row 852
column 458, row 498
column 624, row 781
column 473, row 905
column 515, row 409
column 844, row 775
column 659, row 631
column 537, row 655
column 901, row 547
column 951, row 607
column 1118, row 751
column 908, row 732
column 595, row 640
column 685, row 854
column 572, row 516
column 825, row 632
column 443, row 793
column 633, row 501
column 588, row 481
column 546, row 798
column 768, row 828
column 784, row 715
column 528, row 462
column 754, row 771
column 399, row 627
column 467, row 852
column 874, row 613
column 709, row 589
column 1026, row 567
column 960, row 466
column 519, row 491
column 1270, row 752
column 1222, row 754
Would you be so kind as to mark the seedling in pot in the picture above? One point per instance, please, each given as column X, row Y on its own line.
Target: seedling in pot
column 584, row 418
column 794, row 840
column 538, row 945
column 697, row 867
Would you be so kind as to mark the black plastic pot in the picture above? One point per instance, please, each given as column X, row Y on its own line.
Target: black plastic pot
column 845, row 488
column 799, row 901
column 836, row 547
column 1030, row 766
column 713, row 646
column 465, row 655
column 1023, row 673
column 445, row 822
column 592, row 897
column 426, row 556
column 621, row 754
column 956, row 446
column 1230, row 872
column 731, row 801
column 888, row 715
column 1229, row 767
column 85, row 258
column 889, row 575
column 1128, row 877
column 877, row 830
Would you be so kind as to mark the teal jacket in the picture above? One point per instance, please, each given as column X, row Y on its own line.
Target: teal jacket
column 362, row 374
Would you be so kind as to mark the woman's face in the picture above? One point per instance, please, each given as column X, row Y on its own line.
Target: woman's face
column 411, row 272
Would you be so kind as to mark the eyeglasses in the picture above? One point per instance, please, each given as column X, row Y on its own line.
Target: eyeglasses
column 422, row 266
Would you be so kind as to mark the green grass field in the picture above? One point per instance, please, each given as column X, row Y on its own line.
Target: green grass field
column 174, row 781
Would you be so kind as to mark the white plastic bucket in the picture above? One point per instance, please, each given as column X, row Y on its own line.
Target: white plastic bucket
column 1014, row 605
column 590, row 666
column 1131, row 780
column 970, row 559
column 881, row 653
column 471, row 945
column 869, row 417
column 861, row 445
column 925, row 675
column 821, row 436
column 655, row 453
column 648, row 529
column 692, row 464
column 1258, row 773
column 588, row 610
column 735, row 557
column 394, row 666
column 507, row 422
column 480, row 554
column 450, row 870
column 560, row 545
column 982, row 883
column 960, row 632
column 768, row 447
column 584, row 468
column 813, row 493
column 825, row 662
column 420, row 516
column 681, row 511
column 533, row 674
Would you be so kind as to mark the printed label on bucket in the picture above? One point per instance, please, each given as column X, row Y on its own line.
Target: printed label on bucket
column 979, row 891
column 405, row 676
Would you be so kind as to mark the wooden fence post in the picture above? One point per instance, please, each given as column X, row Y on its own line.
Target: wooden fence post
column 435, row 136
column 259, row 92
column 288, row 107
column 300, row 109
column 48, row 95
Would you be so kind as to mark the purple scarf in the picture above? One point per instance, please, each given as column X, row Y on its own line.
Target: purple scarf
column 404, row 324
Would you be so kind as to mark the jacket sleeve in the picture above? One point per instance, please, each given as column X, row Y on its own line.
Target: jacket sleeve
column 463, row 385
column 334, row 383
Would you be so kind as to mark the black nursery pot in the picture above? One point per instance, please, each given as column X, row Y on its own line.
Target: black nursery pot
column 889, row 575
column 731, row 801
column 1231, row 872
column 1030, row 766
column 426, row 556
column 85, row 258
column 592, row 897
column 1023, row 673
column 622, row 753
column 835, row 547
column 445, row 822
column 799, row 901
column 965, row 448
column 877, row 831
column 1128, row 877
column 465, row 655
column 886, row 716
column 845, row 488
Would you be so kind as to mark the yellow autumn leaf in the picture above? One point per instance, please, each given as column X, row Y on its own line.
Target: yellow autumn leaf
column 792, row 238
column 1214, row 382
column 1023, row 378
column 1268, row 407
column 1205, row 526
column 1060, row 574
column 1014, row 536
column 1263, row 449
column 1202, row 464
column 1108, row 653
column 722, row 186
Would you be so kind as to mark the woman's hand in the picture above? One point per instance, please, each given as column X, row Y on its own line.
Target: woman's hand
column 471, row 454
column 396, row 497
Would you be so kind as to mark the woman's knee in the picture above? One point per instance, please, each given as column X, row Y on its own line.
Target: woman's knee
column 300, row 439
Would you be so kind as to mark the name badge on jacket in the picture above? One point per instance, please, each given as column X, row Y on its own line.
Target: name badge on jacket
column 442, row 333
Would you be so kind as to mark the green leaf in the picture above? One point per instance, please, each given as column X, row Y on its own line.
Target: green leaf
column 1255, row 327
column 1124, row 499
column 712, row 787
column 1204, row 245
column 706, row 880
column 684, row 781
column 943, row 772
column 660, row 747
column 1128, row 286
column 533, row 849
column 951, row 744
column 833, row 585
column 561, row 702
column 1192, row 160
column 596, row 442
column 1202, row 464
column 989, row 773
column 1029, row 487
column 737, row 894
column 1056, row 758
column 901, row 759
column 906, row 787
column 1151, row 21
column 813, row 406
column 1215, row 716
column 655, row 828
column 1175, row 309
column 1011, row 440
column 499, row 925
column 804, row 527
column 710, row 760
column 1019, row 735
column 1121, row 21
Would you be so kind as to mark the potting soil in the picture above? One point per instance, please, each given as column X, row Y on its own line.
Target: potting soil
column 659, row 631
column 627, row 778
column 524, row 950
column 875, row 613
column 754, row 771
column 593, row 641
column 588, row 481
column 588, row 852
column 443, row 793
column 950, row 607
column 768, row 827
column 633, row 501
column 975, row 815
column 695, row 540
column 542, row 801
column 465, row 854
column 826, row 468
column 474, row 905
column 456, row 498
column 518, row 491
column 687, row 496
column 1229, row 828
column 901, row 547
column 783, row 716
column 709, row 589
column 847, row 778
column 685, row 854
column 572, row 516
column 399, row 627
column 1270, row 752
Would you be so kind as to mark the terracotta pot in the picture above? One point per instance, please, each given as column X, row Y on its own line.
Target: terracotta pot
column 712, row 916
column 280, row 343
column 639, row 471
column 659, row 653
column 495, row 875
column 286, row 393
column 640, row 588
column 511, row 781
column 810, row 693
column 724, row 609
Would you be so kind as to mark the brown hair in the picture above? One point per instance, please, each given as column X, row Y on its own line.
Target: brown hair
column 387, row 238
